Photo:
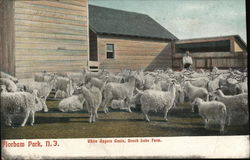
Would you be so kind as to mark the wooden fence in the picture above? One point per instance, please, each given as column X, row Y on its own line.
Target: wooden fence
column 222, row 62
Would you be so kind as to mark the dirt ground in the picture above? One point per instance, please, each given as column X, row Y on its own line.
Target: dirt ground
column 55, row 124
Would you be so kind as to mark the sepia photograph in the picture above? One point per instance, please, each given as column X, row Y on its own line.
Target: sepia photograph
column 123, row 79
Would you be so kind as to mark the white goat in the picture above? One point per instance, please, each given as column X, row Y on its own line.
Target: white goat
column 16, row 103
column 10, row 85
column 60, row 94
column 99, row 83
column 43, row 77
column 237, row 106
column 64, row 84
column 72, row 104
column 118, row 104
column 212, row 111
column 93, row 97
column 193, row 92
column 152, row 100
column 5, row 75
column 43, row 88
column 88, row 75
column 77, row 78
column 118, row 91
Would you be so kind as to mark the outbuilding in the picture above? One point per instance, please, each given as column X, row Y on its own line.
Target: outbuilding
column 223, row 52
column 127, row 40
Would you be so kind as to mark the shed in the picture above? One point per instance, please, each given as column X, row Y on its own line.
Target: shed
column 223, row 52
column 127, row 40
column 49, row 35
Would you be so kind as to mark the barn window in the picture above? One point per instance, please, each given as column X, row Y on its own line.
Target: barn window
column 110, row 51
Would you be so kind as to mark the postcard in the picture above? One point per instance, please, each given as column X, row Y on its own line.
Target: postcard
column 93, row 79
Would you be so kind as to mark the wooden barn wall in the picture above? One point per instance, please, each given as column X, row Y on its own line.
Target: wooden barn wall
column 50, row 35
column 134, row 53
column 7, row 40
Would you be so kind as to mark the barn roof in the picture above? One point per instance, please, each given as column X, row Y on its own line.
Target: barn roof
column 208, row 43
column 118, row 22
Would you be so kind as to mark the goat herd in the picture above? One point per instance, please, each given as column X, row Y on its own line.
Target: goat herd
column 220, row 96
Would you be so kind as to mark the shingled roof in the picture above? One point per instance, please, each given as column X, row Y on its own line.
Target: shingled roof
column 117, row 22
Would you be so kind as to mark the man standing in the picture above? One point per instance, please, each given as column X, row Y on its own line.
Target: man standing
column 187, row 60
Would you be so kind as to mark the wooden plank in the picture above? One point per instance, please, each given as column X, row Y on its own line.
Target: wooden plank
column 30, row 74
column 136, row 57
column 49, row 20
column 58, row 5
column 135, row 53
column 46, row 52
column 52, row 36
column 49, row 9
column 51, row 41
column 136, row 48
column 49, row 26
column 123, row 62
column 74, row 2
column 19, row 28
column 28, row 11
column 50, row 46
column 23, row 63
column 105, row 38
column 132, row 38
column 136, row 66
column 132, row 43
column 35, row 57
column 63, row 68
column 130, row 53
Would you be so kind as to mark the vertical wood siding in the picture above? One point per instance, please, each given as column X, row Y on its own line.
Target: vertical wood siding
column 7, row 40
column 134, row 54
column 50, row 35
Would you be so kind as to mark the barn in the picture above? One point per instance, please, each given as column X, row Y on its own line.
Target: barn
column 66, row 36
column 222, row 52
column 127, row 40
column 43, row 35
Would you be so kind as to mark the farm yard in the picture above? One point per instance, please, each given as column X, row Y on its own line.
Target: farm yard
column 97, row 74
column 55, row 124
column 118, row 122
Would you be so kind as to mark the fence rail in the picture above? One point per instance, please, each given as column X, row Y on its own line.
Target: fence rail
column 235, row 62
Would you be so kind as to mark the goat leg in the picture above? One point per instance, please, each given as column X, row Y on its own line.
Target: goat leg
column 25, row 118
column 146, row 117
column 32, row 114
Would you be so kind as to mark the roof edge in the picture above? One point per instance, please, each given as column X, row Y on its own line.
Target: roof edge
column 117, row 9
column 214, row 37
column 134, row 36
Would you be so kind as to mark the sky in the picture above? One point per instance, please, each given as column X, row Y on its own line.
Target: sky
column 189, row 18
